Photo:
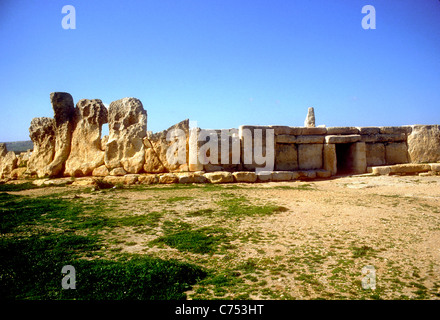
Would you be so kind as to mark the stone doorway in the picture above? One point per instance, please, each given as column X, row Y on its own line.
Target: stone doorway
column 344, row 158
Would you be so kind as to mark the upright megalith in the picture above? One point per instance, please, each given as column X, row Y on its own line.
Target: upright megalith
column 166, row 151
column 125, row 150
column 310, row 119
column 424, row 143
column 85, row 152
column 8, row 161
column 64, row 111
column 42, row 134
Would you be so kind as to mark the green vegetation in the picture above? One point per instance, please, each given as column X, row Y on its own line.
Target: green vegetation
column 19, row 146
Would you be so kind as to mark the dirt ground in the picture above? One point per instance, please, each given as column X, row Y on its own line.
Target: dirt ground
column 317, row 248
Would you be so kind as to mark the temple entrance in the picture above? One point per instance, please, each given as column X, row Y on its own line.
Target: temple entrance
column 345, row 158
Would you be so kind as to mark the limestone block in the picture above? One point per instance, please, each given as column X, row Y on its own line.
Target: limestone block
column 396, row 152
column 395, row 137
column 127, row 128
column 245, row 176
column 358, row 150
column 410, row 168
column 118, row 172
column 424, row 143
column 329, row 158
column 286, row 157
column 100, row 171
column 168, row 178
column 18, row 173
column 395, row 130
column 157, row 147
column 282, row 175
column 148, row 179
column 375, row 154
column 369, row 130
column 64, row 111
column 42, row 134
column 83, row 182
column 264, row 176
column 85, row 152
column 307, row 174
column 323, row 174
column 284, row 138
column 435, row 167
column 310, row 118
column 309, row 139
column 342, row 130
column 382, row 170
column 310, row 156
column 219, row 177
column 342, row 138
column 7, row 164
column 313, row 131
column 283, row 130
column 192, row 177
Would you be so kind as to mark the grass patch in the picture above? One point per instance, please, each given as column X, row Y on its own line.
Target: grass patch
column 31, row 269
column 239, row 206
column 17, row 186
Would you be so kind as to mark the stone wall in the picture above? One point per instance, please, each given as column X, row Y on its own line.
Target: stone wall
column 70, row 144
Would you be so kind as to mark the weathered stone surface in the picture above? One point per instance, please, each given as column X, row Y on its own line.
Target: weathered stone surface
column 358, row 150
column 284, row 130
column 18, row 173
column 118, row 172
column 86, row 153
column 282, row 175
column 329, row 159
column 264, row 176
column 396, row 152
column 342, row 130
column 148, row 179
column 369, row 130
column 42, row 134
column 23, row 158
column 310, row 119
column 375, row 154
column 219, row 177
column 84, row 182
column 410, row 168
column 128, row 179
column 343, row 138
column 127, row 128
column 7, row 163
column 323, row 174
column 286, row 157
column 64, row 110
column 284, row 138
column 100, row 171
column 424, row 143
column 383, row 170
column 309, row 139
column 250, row 146
column 168, row 178
column 192, row 177
column 435, row 167
column 313, row 131
column 307, row 174
column 310, row 156
column 245, row 176
column 395, row 130
column 384, row 138
column 157, row 146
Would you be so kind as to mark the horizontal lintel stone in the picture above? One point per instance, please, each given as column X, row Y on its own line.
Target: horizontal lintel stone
column 343, row 138
column 384, row 137
column 299, row 139
column 342, row 130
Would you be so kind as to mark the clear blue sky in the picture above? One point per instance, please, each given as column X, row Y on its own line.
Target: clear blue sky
column 224, row 63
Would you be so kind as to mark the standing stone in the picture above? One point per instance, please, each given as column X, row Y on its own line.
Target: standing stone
column 310, row 156
column 42, row 134
column 358, row 151
column 329, row 159
column 375, row 154
column 310, row 119
column 8, row 161
column 127, row 128
column 86, row 154
column 64, row 111
column 424, row 143
column 157, row 146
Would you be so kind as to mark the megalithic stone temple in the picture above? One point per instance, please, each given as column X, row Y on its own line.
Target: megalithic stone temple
column 71, row 145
